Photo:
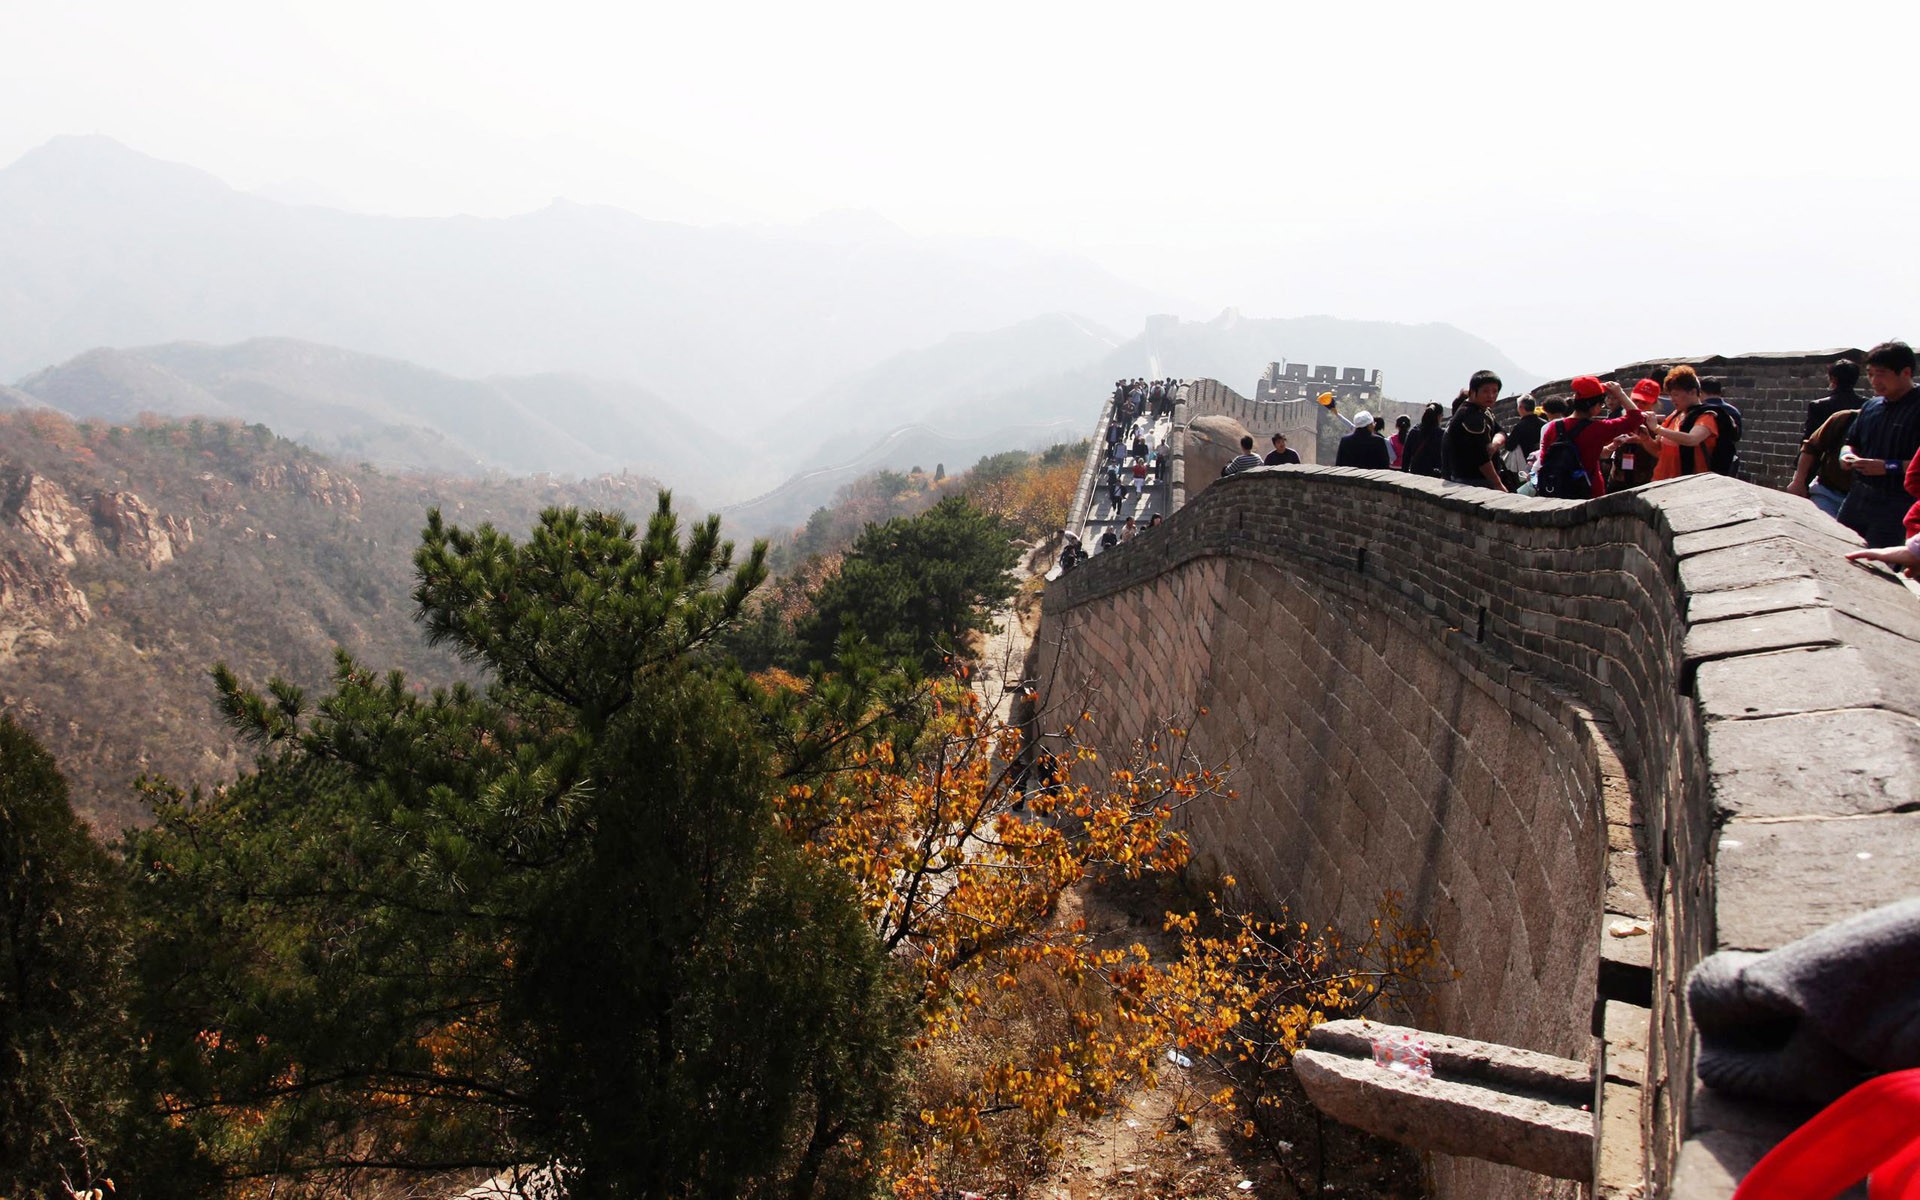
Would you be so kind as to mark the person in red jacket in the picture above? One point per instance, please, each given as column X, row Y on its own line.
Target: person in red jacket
column 1589, row 432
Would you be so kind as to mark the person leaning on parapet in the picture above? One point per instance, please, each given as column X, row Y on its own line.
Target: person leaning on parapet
column 1817, row 473
column 1072, row 553
column 1474, row 439
column 1842, row 376
column 1883, row 442
column 1398, row 442
column 1241, row 461
column 1425, row 451
column 1364, row 447
column 1280, row 456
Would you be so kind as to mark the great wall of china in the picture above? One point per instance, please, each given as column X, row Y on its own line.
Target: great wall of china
column 1542, row 722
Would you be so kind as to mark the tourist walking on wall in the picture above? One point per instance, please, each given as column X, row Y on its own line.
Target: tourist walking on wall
column 1590, row 435
column 1883, row 441
column 1280, row 456
column 1474, row 438
column 1842, row 377
column 1523, row 440
column 1398, row 442
column 1629, row 461
column 1907, row 554
column 1425, row 451
column 1241, row 461
column 1818, row 474
column 1683, row 442
column 1364, row 447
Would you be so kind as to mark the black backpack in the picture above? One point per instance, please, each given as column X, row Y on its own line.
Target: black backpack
column 1561, row 473
column 1726, row 447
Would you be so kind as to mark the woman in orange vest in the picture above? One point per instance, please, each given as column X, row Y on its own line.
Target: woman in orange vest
column 1682, row 447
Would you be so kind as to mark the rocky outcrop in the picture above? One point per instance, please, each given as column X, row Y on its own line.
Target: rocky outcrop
column 138, row 531
column 37, row 601
column 214, row 490
column 1212, row 443
column 41, row 508
column 308, row 481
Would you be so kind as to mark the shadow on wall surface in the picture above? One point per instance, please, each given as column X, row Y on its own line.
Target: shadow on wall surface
column 1540, row 720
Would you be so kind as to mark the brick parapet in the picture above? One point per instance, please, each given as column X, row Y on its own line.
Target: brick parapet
column 1703, row 635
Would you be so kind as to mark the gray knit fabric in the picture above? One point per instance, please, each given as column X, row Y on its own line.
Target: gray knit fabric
column 1809, row 1020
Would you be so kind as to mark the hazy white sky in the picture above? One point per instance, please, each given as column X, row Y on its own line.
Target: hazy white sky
column 1580, row 184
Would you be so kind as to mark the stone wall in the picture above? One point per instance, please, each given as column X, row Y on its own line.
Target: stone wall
column 1533, row 718
column 1772, row 392
column 1298, row 419
column 1312, row 431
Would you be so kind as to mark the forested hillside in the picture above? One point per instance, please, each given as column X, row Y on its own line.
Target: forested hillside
column 135, row 557
column 132, row 558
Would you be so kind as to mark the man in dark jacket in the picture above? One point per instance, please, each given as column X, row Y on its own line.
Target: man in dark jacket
column 1474, row 437
column 1842, row 377
column 1884, row 437
column 1364, row 447
column 1280, row 455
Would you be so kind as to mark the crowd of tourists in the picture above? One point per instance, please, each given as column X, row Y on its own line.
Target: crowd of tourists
column 1151, row 398
column 1859, row 457
column 1135, row 461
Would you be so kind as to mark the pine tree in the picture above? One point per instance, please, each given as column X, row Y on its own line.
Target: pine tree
column 64, row 1079
column 916, row 588
column 549, row 923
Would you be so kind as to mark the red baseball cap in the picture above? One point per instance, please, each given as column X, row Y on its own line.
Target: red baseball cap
column 1646, row 393
column 1586, row 387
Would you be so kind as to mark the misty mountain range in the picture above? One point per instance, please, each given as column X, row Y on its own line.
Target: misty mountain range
column 392, row 414
column 106, row 247
column 578, row 340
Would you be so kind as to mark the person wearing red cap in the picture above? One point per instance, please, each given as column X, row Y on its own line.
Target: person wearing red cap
column 1590, row 433
column 1629, row 464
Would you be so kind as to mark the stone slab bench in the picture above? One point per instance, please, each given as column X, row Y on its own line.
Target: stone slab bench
column 1516, row 1107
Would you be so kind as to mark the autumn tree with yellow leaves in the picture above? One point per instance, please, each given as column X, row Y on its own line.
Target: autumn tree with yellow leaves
column 965, row 845
column 961, row 847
